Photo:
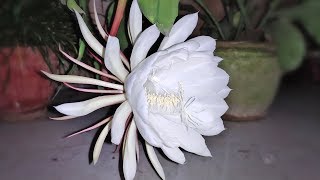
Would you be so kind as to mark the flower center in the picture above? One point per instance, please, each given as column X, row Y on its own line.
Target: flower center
column 168, row 103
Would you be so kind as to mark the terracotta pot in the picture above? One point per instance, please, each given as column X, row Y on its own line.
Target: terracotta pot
column 25, row 93
column 254, row 77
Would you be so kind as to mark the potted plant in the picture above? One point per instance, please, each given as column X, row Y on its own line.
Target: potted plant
column 30, row 34
column 259, row 42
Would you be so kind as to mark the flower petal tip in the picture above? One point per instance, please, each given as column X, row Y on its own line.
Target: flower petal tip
column 207, row 153
column 44, row 72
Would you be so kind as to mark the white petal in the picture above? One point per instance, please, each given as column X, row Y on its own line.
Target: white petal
column 85, row 107
column 112, row 59
column 154, row 161
column 129, row 156
column 205, row 55
column 82, row 80
column 188, row 45
column 175, row 154
column 97, row 21
column 193, row 142
column 143, row 44
column 216, row 128
column 207, row 43
column 204, row 117
column 211, row 102
column 207, row 83
column 174, row 133
column 224, row 92
column 170, row 58
column 87, row 35
column 180, row 31
column 135, row 21
column 119, row 122
column 149, row 136
column 99, row 143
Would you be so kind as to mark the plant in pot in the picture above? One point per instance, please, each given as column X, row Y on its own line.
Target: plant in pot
column 259, row 42
column 30, row 34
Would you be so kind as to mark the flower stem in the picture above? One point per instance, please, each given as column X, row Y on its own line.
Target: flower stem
column 211, row 17
column 118, row 17
column 243, row 12
column 272, row 6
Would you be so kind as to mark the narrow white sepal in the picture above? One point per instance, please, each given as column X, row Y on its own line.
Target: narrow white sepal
column 85, row 107
column 87, row 35
column 82, row 80
column 119, row 122
column 99, row 143
column 143, row 44
column 112, row 59
column 180, row 31
column 62, row 118
column 137, row 149
column 135, row 21
column 99, row 26
column 76, row 61
column 154, row 160
column 129, row 156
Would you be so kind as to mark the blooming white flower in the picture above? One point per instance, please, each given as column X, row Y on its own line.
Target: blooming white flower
column 176, row 94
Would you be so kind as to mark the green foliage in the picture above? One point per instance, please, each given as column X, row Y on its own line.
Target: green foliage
column 35, row 23
column 41, row 24
column 71, row 4
column 306, row 14
column 290, row 44
column 280, row 23
column 160, row 12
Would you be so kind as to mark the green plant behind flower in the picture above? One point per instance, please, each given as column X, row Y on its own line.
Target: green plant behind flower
column 285, row 26
column 37, row 23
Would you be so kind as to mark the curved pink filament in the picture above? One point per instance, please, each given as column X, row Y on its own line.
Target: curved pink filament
column 62, row 118
column 94, row 90
column 99, row 26
column 88, row 67
column 95, row 57
column 91, row 127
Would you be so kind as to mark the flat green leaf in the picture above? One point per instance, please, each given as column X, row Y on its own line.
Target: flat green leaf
column 149, row 9
column 306, row 14
column 160, row 12
column 290, row 44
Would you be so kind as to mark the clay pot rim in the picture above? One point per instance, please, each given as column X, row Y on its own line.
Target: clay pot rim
column 246, row 45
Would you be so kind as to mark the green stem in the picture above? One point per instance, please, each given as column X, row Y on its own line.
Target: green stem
column 239, row 28
column 243, row 13
column 272, row 7
column 82, row 47
column 211, row 17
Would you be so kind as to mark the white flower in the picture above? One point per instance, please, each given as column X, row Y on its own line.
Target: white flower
column 176, row 94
